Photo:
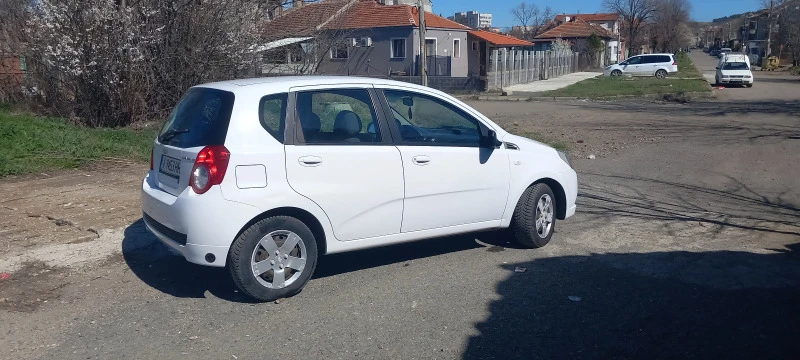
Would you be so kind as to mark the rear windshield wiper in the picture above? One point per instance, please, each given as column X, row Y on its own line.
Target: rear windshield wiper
column 169, row 134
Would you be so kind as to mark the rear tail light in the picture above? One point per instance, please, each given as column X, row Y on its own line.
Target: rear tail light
column 674, row 63
column 209, row 168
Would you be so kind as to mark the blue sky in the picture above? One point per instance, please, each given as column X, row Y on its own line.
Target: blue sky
column 702, row 10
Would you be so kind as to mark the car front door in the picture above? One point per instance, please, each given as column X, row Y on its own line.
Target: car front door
column 632, row 66
column 450, row 179
column 341, row 157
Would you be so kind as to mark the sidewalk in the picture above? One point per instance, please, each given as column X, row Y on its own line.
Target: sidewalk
column 552, row 84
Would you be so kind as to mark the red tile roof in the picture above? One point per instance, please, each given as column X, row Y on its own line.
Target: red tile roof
column 352, row 14
column 589, row 17
column 500, row 39
column 575, row 29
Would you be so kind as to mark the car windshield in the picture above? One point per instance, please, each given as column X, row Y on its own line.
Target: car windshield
column 735, row 66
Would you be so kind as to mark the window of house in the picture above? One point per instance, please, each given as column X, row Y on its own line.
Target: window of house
column 457, row 48
column 340, row 50
column 337, row 117
column 474, row 46
column 398, row 48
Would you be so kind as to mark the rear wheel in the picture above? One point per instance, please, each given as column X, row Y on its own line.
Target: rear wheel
column 661, row 74
column 534, row 219
column 274, row 258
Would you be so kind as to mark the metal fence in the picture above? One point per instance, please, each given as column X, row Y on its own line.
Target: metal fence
column 514, row 67
column 436, row 65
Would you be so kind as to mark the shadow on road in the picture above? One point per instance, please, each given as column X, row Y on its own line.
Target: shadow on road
column 667, row 305
column 159, row 267
column 737, row 206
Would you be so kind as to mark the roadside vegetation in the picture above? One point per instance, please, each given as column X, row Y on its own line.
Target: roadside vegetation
column 686, row 68
column 33, row 144
column 688, row 80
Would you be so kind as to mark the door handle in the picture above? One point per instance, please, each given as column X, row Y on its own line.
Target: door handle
column 421, row 160
column 310, row 160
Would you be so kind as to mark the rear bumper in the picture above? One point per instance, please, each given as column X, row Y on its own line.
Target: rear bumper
column 194, row 225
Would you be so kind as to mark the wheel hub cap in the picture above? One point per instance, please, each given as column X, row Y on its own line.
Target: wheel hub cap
column 279, row 259
column 544, row 215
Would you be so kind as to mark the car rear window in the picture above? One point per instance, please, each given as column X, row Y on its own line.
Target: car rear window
column 201, row 118
column 735, row 66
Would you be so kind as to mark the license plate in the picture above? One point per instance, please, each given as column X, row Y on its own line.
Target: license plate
column 170, row 167
column 736, row 80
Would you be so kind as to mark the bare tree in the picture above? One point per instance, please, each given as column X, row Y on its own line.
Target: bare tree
column 634, row 14
column 789, row 33
column 531, row 19
column 669, row 25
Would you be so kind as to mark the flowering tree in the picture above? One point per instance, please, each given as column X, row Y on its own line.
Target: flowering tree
column 109, row 63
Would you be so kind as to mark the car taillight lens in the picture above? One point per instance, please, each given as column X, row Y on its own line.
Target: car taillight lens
column 209, row 168
column 674, row 63
column 151, row 158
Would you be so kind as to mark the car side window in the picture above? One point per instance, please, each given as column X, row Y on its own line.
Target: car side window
column 635, row 60
column 425, row 120
column 272, row 114
column 337, row 117
column 647, row 60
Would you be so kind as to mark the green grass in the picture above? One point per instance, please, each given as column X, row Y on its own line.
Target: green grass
column 605, row 86
column 32, row 144
column 686, row 68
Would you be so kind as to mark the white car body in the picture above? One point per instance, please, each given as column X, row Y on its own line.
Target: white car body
column 351, row 196
column 734, row 69
column 659, row 65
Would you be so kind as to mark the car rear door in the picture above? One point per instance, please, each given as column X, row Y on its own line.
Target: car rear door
column 341, row 157
column 449, row 178
column 200, row 119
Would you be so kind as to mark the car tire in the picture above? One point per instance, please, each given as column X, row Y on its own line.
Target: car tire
column 525, row 223
column 616, row 73
column 257, row 245
column 660, row 74
column 748, row 85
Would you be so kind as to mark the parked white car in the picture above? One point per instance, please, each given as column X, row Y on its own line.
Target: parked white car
column 734, row 69
column 262, row 176
column 658, row 65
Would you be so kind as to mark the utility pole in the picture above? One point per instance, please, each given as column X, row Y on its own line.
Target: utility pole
column 769, row 29
column 422, row 56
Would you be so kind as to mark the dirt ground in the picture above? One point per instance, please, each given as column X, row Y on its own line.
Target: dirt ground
column 685, row 245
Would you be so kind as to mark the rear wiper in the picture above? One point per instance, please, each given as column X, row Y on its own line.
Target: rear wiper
column 167, row 136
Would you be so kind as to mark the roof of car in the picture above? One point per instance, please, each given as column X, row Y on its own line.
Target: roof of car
column 284, row 83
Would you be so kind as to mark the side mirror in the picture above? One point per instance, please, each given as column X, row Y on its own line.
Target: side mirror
column 491, row 141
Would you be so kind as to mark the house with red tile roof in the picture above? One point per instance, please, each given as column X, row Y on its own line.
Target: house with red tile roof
column 365, row 38
column 576, row 31
column 612, row 22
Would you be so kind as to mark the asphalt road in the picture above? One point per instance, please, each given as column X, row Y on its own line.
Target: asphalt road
column 686, row 244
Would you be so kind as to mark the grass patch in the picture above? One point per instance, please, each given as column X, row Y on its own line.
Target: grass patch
column 34, row 144
column 605, row 86
column 686, row 68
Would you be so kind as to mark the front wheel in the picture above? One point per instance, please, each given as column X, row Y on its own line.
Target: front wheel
column 661, row 74
column 534, row 219
column 274, row 258
column 616, row 73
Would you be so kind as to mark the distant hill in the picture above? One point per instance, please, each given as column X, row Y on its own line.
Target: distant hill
column 728, row 18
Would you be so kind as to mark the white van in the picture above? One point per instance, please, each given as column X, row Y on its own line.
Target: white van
column 734, row 69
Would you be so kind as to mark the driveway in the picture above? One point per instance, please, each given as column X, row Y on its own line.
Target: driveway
column 686, row 244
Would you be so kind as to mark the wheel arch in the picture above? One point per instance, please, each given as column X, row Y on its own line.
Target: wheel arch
column 558, row 191
column 306, row 217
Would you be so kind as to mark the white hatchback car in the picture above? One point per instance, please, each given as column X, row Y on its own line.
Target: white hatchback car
column 262, row 176
column 658, row 65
